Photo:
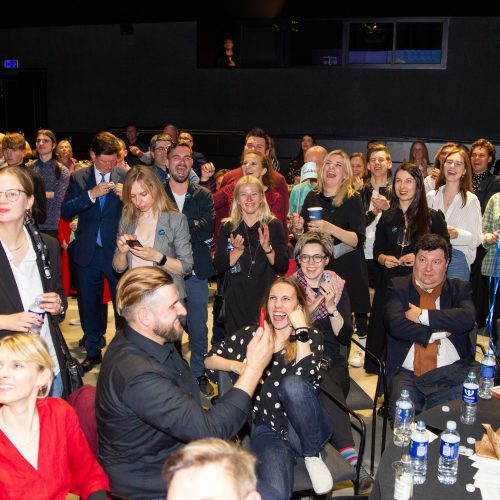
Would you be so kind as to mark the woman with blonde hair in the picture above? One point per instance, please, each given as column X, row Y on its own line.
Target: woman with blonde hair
column 343, row 218
column 43, row 452
column 152, row 232
column 251, row 250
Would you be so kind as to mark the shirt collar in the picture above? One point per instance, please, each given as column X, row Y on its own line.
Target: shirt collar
column 160, row 352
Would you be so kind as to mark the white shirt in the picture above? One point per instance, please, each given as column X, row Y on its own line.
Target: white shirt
column 98, row 180
column 180, row 199
column 467, row 220
column 447, row 354
column 29, row 284
column 370, row 234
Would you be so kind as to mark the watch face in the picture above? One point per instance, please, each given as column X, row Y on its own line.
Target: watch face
column 303, row 336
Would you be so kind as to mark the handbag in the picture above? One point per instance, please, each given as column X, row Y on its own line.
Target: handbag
column 74, row 369
column 219, row 306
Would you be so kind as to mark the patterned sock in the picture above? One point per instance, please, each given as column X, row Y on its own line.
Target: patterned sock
column 350, row 454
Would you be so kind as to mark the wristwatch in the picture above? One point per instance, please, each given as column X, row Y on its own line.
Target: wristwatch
column 302, row 335
column 334, row 314
column 162, row 261
column 270, row 250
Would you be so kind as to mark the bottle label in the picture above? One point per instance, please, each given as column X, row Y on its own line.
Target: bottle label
column 469, row 394
column 404, row 415
column 449, row 450
column 487, row 371
column 418, row 450
column 403, row 487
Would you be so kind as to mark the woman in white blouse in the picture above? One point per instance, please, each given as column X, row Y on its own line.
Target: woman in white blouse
column 453, row 196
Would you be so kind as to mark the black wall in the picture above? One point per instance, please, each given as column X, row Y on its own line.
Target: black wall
column 97, row 78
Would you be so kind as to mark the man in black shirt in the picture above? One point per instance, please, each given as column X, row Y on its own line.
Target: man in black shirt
column 147, row 401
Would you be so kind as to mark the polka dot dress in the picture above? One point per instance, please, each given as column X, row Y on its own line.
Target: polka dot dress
column 267, row 407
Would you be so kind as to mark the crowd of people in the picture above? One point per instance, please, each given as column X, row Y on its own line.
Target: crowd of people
column 146, row 227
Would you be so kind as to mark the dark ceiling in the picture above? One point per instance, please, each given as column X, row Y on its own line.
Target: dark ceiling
column 58, row 12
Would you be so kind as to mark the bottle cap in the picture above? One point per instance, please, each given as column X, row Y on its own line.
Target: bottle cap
column 405, row 393
column 471, row 375
column 451, row 425
column 421, row 425
column 406, row 459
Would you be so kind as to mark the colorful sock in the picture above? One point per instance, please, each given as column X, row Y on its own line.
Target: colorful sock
column 350, row 454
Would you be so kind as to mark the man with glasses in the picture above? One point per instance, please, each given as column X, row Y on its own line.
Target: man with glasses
column 14, row 151
column 94, row 195
column 197, row 204
column 429, row 319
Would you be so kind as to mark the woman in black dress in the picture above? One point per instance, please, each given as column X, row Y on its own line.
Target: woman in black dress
column 251, row 251
column 393, row 250
column 343, row 218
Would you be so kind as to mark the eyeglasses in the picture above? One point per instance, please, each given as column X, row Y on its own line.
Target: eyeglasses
column 12, row 194
column 316, row 258
column 161, row 149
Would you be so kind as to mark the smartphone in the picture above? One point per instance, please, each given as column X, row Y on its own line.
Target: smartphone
column 134, row 243
column 261, row 317
column 325, row 277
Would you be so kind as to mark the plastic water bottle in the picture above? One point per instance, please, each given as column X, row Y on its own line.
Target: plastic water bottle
column 486, row 381
column 403, row 419
column 403, row 484
column 36, row 308
column 469, row 399
column 448, row 454
column 419, row 445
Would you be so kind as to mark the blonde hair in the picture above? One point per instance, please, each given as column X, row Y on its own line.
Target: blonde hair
column 239, row 463
column 147, row 178
column 236, row 216
column 31, row 348
column 345, row 188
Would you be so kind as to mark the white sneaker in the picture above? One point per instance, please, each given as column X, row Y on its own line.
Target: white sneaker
column 75, row 322
column 321, row 479
column 357, row 359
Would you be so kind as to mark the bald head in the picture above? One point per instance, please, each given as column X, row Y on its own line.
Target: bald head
column 316, row 154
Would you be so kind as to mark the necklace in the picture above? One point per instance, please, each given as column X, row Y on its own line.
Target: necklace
column 252, row 259
column 17, row 248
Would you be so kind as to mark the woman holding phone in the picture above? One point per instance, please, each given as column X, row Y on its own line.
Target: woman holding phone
column 152, row 232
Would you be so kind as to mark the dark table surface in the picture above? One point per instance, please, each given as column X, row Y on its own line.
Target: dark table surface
column 488, row 411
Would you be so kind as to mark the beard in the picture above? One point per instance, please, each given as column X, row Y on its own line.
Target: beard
column 179, row 178
column 169, row 332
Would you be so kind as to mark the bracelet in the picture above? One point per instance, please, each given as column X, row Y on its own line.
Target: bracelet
column 270, row 250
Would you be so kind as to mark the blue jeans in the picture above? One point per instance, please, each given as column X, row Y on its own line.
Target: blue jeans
column 308, row 431
column 458, row 267
column 197, row 317
column 405, row 379
column 56, row 391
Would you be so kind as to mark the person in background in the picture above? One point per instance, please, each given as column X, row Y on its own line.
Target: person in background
column 228, row 58
column 430, row 180
column 490, row 267
column 2, row 159
column 64, row 153
column 56, row 179
column 132, row 134
column 14, row 150
column 359, row 171
column 376, row 195
column 286, row 402
column 211, row 468
column 257, row 253
column 151, row 220
column 218, row 176
column 419, row 156
column 314, row 155
column 44, row 453
column 121, row 162
column 25, row 274
column 297, row 161
column 394, row 248
column 199, row 160
column 461, row 209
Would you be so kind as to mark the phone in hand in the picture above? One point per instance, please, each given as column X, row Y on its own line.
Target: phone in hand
column 262, row 317
column 134, row 243
column 325, row 278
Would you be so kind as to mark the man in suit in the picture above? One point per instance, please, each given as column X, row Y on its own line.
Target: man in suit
column 197, row 204
column 429, row 318
column 94, row 195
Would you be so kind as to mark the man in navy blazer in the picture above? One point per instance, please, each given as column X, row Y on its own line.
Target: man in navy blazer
column 94, row 195
column 409, row 324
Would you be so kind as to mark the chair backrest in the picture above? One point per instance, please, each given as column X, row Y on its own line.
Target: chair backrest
column 83, row 402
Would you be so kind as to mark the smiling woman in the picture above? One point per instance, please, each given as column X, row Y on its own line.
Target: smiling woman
column 35, row 461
